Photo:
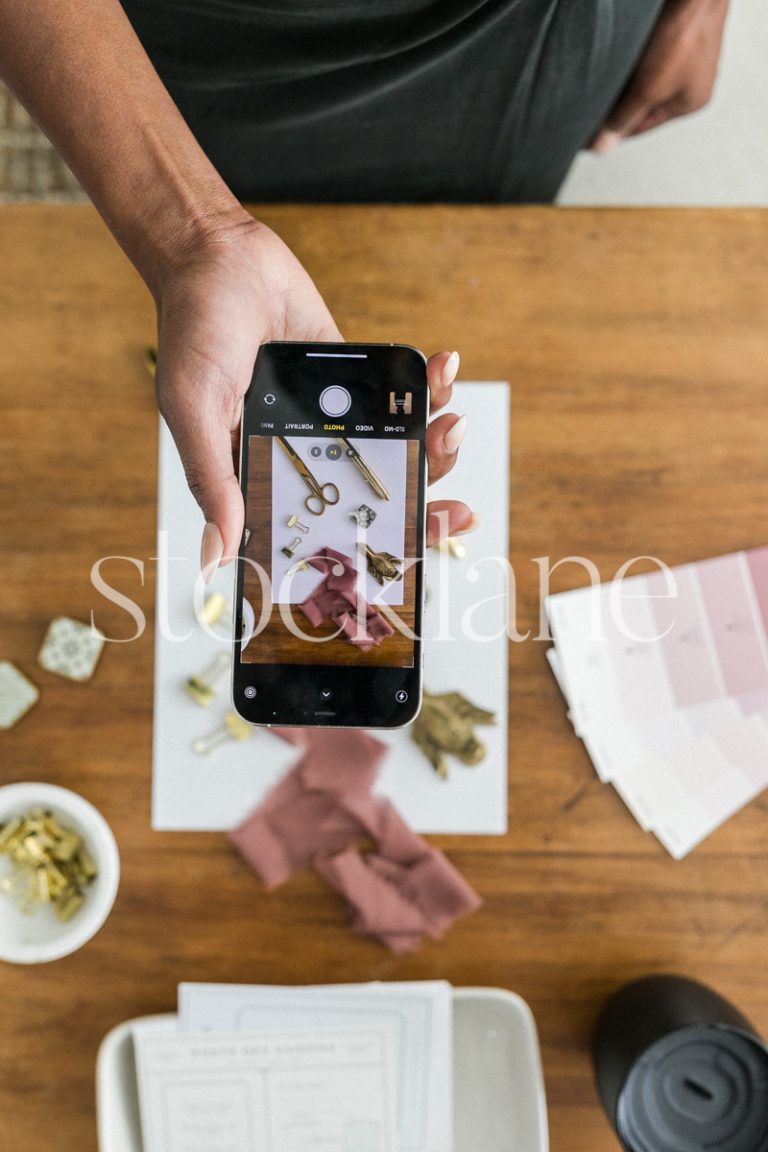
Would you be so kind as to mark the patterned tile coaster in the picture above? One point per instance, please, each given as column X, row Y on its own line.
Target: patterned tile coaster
column 71, row 649
column 17, row 694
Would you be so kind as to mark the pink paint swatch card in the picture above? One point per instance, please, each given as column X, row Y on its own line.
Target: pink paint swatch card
column 666, row 679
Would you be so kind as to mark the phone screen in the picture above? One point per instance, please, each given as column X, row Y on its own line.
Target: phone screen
column 330, row 579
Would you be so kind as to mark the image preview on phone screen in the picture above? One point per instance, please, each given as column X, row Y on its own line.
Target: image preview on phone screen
column 330, row 581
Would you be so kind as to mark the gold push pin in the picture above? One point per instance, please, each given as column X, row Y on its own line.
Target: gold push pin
column 200, row 688
column 294, row 522
column 289, row 549
column 233, row 728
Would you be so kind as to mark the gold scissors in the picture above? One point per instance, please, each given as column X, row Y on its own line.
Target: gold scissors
column 320, row 495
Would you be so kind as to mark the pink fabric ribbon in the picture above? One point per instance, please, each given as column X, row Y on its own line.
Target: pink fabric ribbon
column 399, row 891
column 336, row 597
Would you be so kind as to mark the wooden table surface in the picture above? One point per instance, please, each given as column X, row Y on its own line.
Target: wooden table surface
column 635, row 342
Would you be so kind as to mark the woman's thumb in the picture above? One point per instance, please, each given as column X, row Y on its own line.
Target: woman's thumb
column 206, row 454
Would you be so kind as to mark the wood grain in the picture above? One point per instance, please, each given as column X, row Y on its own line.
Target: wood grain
column 635, row 342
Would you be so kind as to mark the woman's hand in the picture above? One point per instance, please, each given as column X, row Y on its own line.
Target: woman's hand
column 226, row 295
column 444, row 435
column 675, row 75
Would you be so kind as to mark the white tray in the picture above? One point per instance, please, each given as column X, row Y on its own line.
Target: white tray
column 498, row 1105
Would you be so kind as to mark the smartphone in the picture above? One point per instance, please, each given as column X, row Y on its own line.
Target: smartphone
column 330, row 574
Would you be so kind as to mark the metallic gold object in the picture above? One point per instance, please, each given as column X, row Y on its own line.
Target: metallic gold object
column 200, row 688
column 150, row 359
column 453, row 546
column 383, row 566
column 289, row 549
column 294, row 522
column 364, row 469
column 214, row 608
column 233, row 728
column 364, row 516
column 446, row 725
column 50, row 864
column 320, row 495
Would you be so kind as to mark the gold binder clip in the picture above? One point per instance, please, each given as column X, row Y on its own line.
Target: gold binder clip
column 289, row 549
column 453, row 546
column 213, row 609
column 200, row 688
column 50, row 864
column 233, row 728
column 294, row 522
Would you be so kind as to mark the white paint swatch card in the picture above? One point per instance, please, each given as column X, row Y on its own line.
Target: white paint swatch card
column 262, row 1092
column 466, row 650
column 417, row 1016
column 666, row 679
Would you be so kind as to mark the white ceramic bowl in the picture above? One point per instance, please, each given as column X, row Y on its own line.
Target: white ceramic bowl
column 33, row 939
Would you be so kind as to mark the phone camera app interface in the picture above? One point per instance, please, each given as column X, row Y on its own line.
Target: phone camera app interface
column 332, row 512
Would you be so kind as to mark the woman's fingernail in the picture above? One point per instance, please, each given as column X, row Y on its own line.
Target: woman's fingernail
column 450, row 368
column 475, row 522
column 606, row 141
column 210, row 550
column 454, row 436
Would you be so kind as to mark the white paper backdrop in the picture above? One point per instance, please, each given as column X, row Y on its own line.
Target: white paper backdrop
column 466, row 650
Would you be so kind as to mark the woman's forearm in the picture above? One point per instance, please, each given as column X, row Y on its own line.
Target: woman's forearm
column 81, row 72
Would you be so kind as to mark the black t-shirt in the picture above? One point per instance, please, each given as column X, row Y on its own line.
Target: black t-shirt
column 393, row 100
